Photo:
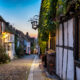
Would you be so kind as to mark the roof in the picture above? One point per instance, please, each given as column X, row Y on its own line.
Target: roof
column 9, row 28
column 1, row 19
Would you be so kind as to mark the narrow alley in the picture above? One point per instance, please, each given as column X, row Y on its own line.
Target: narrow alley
column 27, row 68
column 17, row 69
column 39, row 39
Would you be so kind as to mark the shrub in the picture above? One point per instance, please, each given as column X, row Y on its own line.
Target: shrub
column 4, row 58
column 20, row 51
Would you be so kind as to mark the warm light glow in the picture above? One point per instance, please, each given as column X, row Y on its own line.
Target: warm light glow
column 4, row 35
column 34, row 35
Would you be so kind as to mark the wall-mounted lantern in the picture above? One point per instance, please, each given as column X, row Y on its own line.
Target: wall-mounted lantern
column 34, row 22
column 34, row 25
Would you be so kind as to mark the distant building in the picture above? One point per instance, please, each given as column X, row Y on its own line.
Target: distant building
column 28, row 50
column 31, row 42
column 27, row 47
column 19, row 38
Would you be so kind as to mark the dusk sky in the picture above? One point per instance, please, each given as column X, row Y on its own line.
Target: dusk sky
column 18, row 12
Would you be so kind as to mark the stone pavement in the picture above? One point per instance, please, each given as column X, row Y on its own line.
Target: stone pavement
column 17, row 69
column 36, row 72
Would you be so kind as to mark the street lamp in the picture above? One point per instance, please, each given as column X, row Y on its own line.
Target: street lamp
column 34, row 25
column 34, row 22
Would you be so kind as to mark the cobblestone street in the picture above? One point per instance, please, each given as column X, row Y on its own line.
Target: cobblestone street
column 16, row 70
column 27, row 68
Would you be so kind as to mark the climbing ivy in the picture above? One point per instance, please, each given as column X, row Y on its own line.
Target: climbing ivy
column 64, row 6
column 50, row 10
column 46, row 22
column 61, row 7
column 47, row 15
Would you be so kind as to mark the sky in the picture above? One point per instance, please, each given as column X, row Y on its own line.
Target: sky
column 19, row 12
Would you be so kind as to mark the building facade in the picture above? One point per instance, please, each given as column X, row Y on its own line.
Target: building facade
column 7, row 38
column 27, row 47
column 68, row 48
column 9, row 44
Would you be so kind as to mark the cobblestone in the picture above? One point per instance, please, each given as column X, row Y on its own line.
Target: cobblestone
column 15, row 70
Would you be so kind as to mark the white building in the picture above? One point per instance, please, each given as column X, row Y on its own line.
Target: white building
column 9, row 43
column 27, row 47
column 7, row 38
column 68, row 48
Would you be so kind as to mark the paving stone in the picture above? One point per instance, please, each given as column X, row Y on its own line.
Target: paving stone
column 37, row 71
column 15, row 70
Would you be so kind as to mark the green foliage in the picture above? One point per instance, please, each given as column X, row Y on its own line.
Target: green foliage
column 32, row 47
column 20, row 51
column 46, row 21
column 47, row 15
column 42, row 46
column 76, row 2
column 61, row 7
column 4, row 58
column 51, row 9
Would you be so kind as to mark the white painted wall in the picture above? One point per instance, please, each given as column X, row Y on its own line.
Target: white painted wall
column 60, row 34
column 78, row 73
column 28, row 47
column 57, row 52
column 60, row 62
column 65, row 33
column 70, row 32
column 9, row 39
column 70, row 70
column 64, row 64
column 3, row 27
column 70, row 66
